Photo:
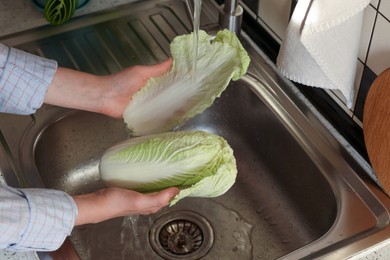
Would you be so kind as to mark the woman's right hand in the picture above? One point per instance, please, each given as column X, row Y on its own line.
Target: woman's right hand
column 116, row 202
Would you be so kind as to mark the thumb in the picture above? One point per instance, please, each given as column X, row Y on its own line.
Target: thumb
column 165, row 196
column 162, row 198
column 157, row 69
column 155, row 201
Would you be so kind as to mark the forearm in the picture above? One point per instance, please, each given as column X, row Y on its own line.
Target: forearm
column 90, row 209
column 75, row 89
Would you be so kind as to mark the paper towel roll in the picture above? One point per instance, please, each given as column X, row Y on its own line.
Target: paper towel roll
column 321, row 44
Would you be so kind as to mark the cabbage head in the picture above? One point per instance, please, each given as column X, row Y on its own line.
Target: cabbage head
column 169, row 100
column 199, row 163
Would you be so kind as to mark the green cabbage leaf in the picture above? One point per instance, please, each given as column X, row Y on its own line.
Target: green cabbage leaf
column 169, row 100
column 199, row 163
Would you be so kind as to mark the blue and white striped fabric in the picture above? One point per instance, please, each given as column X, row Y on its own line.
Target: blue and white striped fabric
column 35, row 219
column 30, row 219
column 24, row 79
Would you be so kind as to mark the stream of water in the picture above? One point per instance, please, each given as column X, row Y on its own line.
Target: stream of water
column 196, row 24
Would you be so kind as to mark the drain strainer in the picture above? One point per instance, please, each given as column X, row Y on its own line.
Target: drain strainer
column 181, row 235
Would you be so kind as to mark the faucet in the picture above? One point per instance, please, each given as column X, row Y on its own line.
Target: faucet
column 230, row 16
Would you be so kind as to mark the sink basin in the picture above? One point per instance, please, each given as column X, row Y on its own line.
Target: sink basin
column 299, row 194
column 272, row 209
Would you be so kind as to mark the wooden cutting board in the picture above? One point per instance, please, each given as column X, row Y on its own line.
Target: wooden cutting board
column 376, row 127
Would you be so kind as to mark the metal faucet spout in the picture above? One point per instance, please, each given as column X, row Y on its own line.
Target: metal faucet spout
column 230, row 16
column 230, row 6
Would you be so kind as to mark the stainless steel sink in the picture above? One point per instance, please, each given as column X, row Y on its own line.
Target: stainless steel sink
column 273, row 208
column 299, row 193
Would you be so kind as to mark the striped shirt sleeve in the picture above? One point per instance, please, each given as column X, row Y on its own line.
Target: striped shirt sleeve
column 35, row 219
column 24, row 79
column 30, row 219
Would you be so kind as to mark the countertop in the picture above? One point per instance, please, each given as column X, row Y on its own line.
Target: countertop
column 20, row 15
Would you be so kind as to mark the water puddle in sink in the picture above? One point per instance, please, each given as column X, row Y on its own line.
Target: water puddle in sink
column 232, row 232
column 237, row 238
column 128, row 238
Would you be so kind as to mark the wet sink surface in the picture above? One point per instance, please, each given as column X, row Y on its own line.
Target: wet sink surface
column 297, row 193
column 271, row 210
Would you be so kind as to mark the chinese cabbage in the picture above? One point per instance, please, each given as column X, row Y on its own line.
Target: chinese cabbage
column 199, row 163
column 167, row 101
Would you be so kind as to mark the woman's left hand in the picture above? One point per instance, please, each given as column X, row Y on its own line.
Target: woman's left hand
column 125, row 83
column 107, row 95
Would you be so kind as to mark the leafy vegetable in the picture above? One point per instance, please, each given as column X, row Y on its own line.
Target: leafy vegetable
column 59, row 11
column 200, row 164
column 166, row 101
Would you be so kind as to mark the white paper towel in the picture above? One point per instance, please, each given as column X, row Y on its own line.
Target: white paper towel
column 321, row 44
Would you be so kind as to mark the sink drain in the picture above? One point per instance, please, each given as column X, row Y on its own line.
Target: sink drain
column 181, row 235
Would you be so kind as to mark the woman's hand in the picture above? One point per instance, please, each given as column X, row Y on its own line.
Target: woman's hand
column 124, row 84
column 116, row 202
column 107, row 95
